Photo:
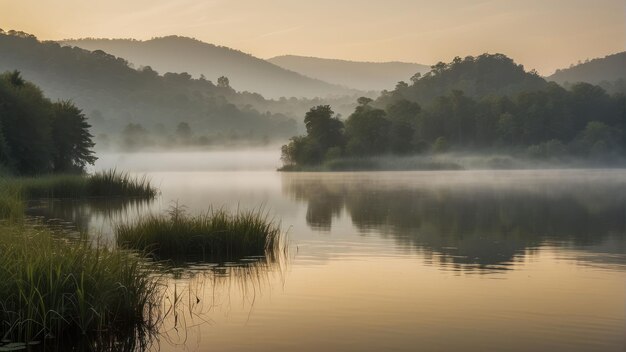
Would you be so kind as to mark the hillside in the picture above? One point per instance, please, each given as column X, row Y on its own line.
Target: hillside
column 113, row 94
column 485, row 105
column 476, row 77
column 609, row 68
column 245, row 72
column 360, row 75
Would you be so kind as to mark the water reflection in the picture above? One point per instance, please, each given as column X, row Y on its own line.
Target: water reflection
column 93, row 216
column 471, row 220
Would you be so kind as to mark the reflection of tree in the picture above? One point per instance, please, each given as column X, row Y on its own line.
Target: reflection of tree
column 325, row 202
column 478, row 225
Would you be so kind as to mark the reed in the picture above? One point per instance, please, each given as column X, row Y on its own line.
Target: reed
column 216, row 235
column 11, row 204
column 55, row 288
column 111, row 183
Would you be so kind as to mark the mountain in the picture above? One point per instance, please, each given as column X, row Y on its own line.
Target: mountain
column 360, row 75
column 182, row 54
column 609, row 68
column 476, row 77
column 115, row 95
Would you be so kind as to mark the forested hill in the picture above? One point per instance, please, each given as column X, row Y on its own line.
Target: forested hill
column 360, row 75
column 476, row 77
column 182, row 54
column 114, row 94
column 485, row 104
column 609, row 68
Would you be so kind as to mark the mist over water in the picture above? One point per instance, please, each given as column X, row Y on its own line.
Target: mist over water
column 214, row 160
column 196, row 192
column 517, row 259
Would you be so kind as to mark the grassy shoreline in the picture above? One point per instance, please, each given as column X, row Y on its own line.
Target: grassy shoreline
column 54, row 290
column 111, row 183
column 57, row 291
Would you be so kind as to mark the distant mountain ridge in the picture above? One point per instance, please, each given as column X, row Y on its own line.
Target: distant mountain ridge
column 183, row 54
column 114, row 94
column 609, row 68
column 355, row 74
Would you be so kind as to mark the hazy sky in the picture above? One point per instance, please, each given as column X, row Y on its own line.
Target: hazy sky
column 541, row 34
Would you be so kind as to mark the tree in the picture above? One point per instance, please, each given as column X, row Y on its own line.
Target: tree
column 367, row 131
column 324, row 134
column 183, row 131
column 223, row 82
column 403, row 117
column 72, row 140
column 323, row 128
column 25, row 115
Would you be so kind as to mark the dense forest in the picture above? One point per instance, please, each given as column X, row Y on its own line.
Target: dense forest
column 484, row 103
column 115, row 95
column 38, row 136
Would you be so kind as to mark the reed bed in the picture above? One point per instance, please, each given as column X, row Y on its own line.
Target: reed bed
column 214, row 236
column 11, row 204
column 111, row 183
column 50, row 288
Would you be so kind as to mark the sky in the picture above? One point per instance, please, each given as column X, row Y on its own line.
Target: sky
column 540, row 34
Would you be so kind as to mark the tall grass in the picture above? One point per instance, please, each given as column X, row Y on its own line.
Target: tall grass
column 57, row 290
column 11, row 204
column 216, row 235
column 111, row 183
column 53, row 288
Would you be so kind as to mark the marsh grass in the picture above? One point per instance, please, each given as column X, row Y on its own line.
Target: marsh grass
column 111, row 183
column 11, row 204
column 214, row 236
column 50, row 288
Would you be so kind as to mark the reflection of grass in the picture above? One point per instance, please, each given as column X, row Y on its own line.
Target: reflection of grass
column 55, row 288
column 216, row 235
column 110, row 183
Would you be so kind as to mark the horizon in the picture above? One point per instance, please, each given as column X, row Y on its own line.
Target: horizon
column 562, row 32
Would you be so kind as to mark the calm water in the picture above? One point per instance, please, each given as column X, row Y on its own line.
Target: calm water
column 402, row 261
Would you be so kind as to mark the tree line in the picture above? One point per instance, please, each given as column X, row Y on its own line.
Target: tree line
column 528, row 116
column 39, row 136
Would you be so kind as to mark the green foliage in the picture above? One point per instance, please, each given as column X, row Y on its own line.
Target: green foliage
column 51, row 288
column 367, row 131
column 111, row 183
column 38, row 136
column 479, row 76
column 324, row 133
column 476, row 104
column 216, row 235
column 71, row 137
column 11, row 204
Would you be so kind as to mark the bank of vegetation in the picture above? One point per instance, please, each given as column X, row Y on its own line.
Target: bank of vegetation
column 213, row 236
column 479, row 105
column 58, row 292
column 61, row 292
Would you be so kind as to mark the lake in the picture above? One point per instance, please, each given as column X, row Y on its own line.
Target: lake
column 530, row 260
